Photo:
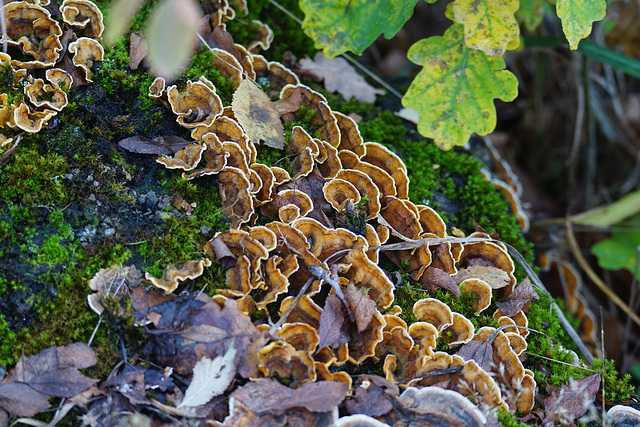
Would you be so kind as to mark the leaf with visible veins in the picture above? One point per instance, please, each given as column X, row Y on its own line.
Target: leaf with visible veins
column 571, row 401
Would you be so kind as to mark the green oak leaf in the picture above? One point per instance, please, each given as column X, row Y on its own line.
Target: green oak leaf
column 489, row 25
column 620, row 250
column 337, row 26
column 577, row 16
column 455, row 90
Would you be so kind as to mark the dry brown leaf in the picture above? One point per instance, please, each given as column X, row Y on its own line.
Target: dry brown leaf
column 480, row 351
column 518, row 299
column 191, row 316
column 434, row 278
column 257, row 115
column 340, row 76
column 361, row 305
column 268, row 395
column 21, row 400
column 333, row 329
column 371, row 399
column 161, row 145
column 571, row 401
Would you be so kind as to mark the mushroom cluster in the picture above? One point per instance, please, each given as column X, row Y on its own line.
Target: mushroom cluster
column 46, row 58
column 342, row 201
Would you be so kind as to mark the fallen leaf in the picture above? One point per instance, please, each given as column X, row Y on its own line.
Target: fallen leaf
column 210, row 378
column 223, row 254
column 361, row 305
column 257, row 115
column 333, row 330
column 130, row 383
column 371, row 399
column 518, row 298
column 187, row 315
column 161, row 145
column 268, row 395
column 340, row 76
column 434, row 278
column 479, row 350
column 21, row 400
column 495, row 277
column 138, row 48
column 290, row 104
column 571, row 401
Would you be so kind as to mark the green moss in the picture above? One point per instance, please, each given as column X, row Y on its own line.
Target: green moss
column 507, row 419
column 288, row 36
column 32, row 177
column 201, row 66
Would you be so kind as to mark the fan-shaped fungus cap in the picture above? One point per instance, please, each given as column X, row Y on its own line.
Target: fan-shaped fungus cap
column 86, row 51
column 280, row 359
column 324, row 121
column 482, row 292
column 186, row 159
column 280, row 175
column 292, row 241
column 30, row 121
column 364, row 345
column 265, row 37
column 373, row 241
column 400, row 217
column 26, row 20
column 276, row 273
column 305, row 311
column 478, row 384
column 42, row 94
column 228, row 65
column 444, row 407
column 621, row 415
column 240, row 243
column 302, row 165
column 380, row 156
column 278, row 75
column 461, row 330
column 328, row 161
column 199, row 105
column 237, row 202
column 83, row 14
column 424, row 334
column 350, row 138
column 265, row 192
column 433, row 311
column 59, row 78
column 263, row 235
column 366, row 188
column 174, row 274
column 300, row 335
column 324, row 242
column 365, row 274
column 489, row 253
column 525, row 394
column 339, row 193
column 227, row 129
column 517, row 342
column 431, row 222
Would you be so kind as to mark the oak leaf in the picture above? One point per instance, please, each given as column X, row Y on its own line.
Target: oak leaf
column 455, row 90
column 489, row 25
column 578, row 16
column 333, row 330
column 338, row 26
column 517, row 299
